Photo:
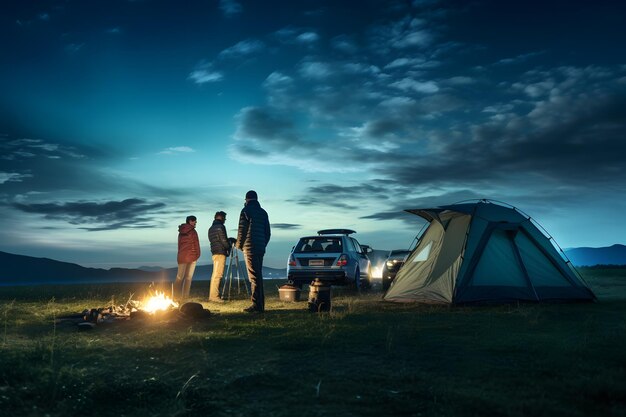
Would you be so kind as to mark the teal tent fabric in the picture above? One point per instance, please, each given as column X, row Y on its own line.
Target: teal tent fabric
column 484, row 253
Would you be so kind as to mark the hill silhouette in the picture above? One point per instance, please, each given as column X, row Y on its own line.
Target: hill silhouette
column 611, row 255
column 21, row 269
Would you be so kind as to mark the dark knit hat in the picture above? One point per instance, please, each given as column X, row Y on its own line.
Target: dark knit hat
column 251, row 195
column 220, row 214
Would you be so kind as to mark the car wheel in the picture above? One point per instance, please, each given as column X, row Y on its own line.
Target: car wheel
column 357, row 279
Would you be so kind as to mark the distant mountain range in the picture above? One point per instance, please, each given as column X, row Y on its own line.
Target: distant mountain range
column 20, row 269
column 611, row 255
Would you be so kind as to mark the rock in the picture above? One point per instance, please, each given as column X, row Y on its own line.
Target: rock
column 194, row 310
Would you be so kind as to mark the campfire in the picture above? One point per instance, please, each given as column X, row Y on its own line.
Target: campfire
column 155, row 305
column 158, row 302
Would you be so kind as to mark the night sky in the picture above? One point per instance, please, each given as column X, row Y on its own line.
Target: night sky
column 120, row 118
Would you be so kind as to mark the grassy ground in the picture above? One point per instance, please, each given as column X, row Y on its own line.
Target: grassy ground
column 364, row 358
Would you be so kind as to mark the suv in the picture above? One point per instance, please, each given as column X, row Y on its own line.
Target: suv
column 392, row 265
column 333, row 257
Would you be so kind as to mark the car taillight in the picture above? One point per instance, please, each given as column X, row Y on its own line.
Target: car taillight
column 292, row 261
column 342, row 261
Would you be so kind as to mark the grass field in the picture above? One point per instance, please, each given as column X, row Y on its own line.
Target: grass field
column 364, row 358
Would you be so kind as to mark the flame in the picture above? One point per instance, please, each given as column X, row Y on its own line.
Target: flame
column 159, row 302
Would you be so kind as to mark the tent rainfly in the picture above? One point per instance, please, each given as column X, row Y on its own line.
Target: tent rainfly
column 484, row 252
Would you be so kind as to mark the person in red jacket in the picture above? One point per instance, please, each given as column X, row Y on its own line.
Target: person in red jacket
column 188, row 254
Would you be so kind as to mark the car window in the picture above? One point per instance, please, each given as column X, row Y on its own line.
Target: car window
column 318, row 244
column 350, row 245
column 357, row 247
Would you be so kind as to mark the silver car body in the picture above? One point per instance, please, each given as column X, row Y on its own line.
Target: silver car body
column 333, row 257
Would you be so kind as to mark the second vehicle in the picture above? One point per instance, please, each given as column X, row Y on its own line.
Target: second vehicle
column 392, row 265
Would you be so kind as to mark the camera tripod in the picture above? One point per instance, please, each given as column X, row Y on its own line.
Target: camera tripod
column 233, row 272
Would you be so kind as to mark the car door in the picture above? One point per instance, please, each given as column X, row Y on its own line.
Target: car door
column 364, row 262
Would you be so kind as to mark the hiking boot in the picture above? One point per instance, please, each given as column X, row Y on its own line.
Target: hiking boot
column 252, row 309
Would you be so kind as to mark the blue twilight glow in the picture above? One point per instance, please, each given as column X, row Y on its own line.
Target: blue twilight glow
column 119, row 118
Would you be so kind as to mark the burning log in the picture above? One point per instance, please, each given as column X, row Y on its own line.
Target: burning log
column 157, row 306
column 159, row 302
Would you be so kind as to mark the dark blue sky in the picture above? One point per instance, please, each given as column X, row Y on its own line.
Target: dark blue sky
column 119, row 118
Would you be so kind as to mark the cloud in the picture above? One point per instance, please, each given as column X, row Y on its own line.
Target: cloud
column 346, row 197
column 259, row 127
column 579, row 124
column 460, row 80
column 286, row 226
column 292, row 35
column 138, row 223
column 408, row 84
column 268, row 137
column 308, row 37
column 15, row 149
column 177, row 150
column 519, row 58
column 429, row 201
column 408, row 33
column 60, row 168
column 388, row 215
column 12, row 176
column 411, row 62
column 537, row 89
column 277, row 80
column 360, row 68
column 129, row 213
column 287, row 33
column 279, row 88
column 499, row 108
column 204, row 73
column 320, row 71
column 411, row 39
column 410, row 110
column 242, row 48
column 114, row 30
column 345, row 44
column 230, row 7
column 549, row 129
column 424, row 3
column 378, row 129
column 74, row 48
column 315, row 70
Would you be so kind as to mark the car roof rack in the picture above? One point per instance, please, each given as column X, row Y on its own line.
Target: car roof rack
column 335, row 232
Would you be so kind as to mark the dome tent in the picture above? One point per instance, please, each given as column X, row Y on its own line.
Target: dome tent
column 484, row 252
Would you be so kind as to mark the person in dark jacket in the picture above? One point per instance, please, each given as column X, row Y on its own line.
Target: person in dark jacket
column 188, row 254
column 220, row 249
column 253, row 236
